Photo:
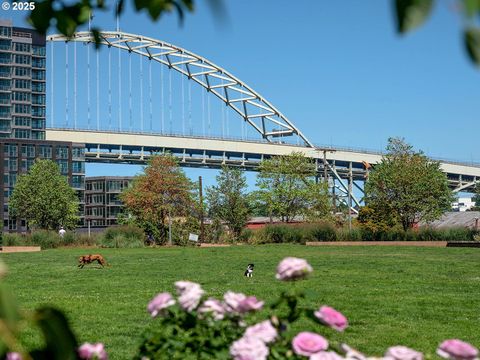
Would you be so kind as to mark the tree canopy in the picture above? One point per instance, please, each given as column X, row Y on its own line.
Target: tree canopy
column 287, row 188
column 228, row 200
column 44, row 198
column 408, row 186
column 162, row 191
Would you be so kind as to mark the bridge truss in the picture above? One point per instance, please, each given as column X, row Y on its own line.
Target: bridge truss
column 344, row 170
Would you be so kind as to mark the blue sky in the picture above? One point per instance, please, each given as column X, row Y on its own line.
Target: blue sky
column 337, row 69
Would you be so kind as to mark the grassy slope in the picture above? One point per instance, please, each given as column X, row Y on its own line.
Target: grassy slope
column 391, row 295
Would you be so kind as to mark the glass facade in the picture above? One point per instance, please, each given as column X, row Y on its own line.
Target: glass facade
column 22, row 83
column 18, row 156
column 102, row 201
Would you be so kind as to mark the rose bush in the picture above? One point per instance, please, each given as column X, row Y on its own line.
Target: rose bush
column 199, row 327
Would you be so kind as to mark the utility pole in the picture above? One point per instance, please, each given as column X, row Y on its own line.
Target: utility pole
column 200, row 193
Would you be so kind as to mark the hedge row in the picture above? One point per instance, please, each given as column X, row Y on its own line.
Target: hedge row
column 326, row 232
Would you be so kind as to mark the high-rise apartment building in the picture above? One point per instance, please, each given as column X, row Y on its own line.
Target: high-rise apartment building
column 22, row 83
column 23, row 119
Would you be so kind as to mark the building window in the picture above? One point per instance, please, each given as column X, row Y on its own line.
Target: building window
column 22, row 109
column 38, row 135
column 5, row 45
column 22, row 59
column 78, row 152
column 38, row 99
column 38, row 124
column 28, row 151
column 62, row 152
column 45, row 151
column 38, row 63
column 22, row 71
column 78, row 181
column 4, row 98
column 21, row 121
column 5, row 58
column 21, row 133
column 38, row 111
column 39, row 50
column 5, row 31
column 78, row 167
column 38, row 87
column 38, row 74
column 21, row 96
column 22, row 84
column 63, row 165
column 22, row 47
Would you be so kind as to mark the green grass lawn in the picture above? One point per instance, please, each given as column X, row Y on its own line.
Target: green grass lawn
column 391, row 295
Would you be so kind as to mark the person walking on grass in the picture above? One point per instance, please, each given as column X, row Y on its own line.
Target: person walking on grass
column 61, row 232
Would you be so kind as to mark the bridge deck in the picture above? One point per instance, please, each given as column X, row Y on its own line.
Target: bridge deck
column 103, row 146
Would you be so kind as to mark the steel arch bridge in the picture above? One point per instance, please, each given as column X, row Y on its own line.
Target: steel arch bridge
column 344, row 169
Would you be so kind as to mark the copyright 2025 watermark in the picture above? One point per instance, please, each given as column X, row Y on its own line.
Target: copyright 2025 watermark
column 18, row 5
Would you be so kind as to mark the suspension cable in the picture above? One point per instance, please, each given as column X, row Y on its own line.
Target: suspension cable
column 66, row 84
column 130, row 120
column 75, row 85
column 109, row 88
column 141, row 92
column 223, row 117
column 183, row 105
column 208, row 116
column 170, row 100
column 88, row 85
column 120, row 89
column 162, row 100
column 190, row 107
column 98, row 90
column 203, row 112
column 150, row 92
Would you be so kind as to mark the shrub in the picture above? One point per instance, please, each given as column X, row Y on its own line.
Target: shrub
column 344, row 234
column 45, row 239
column 280, row 233
column 126, row 236
column 322, row 232
column 245, row 236
column 121, row 241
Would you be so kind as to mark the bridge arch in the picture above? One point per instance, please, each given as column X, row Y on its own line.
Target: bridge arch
column 254, row 109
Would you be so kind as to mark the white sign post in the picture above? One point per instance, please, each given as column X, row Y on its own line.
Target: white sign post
column 193, row 237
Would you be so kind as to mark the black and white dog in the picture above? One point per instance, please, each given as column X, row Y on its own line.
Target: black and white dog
column 249, row 271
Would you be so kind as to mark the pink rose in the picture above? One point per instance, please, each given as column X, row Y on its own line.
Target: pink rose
column 308, row 343
column 214, row 307
column 403, row 353
column 189, row 293
column 92, row 351
column 457, row 350
column 250, row 303
column 233, row 300
column 159, row 303
column 332, row 318
column 248, row 348
column 326, row 355
column 292, row 268
column 263, row 331
column 13, row 356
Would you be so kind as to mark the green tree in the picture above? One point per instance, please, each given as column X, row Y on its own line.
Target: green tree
column 287, row 188
column 228, row 200
column 407, row 184
column 44, row 198
column 476, row 197
column 161, row 193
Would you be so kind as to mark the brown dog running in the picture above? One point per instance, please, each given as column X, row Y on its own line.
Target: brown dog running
column 88, row 259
